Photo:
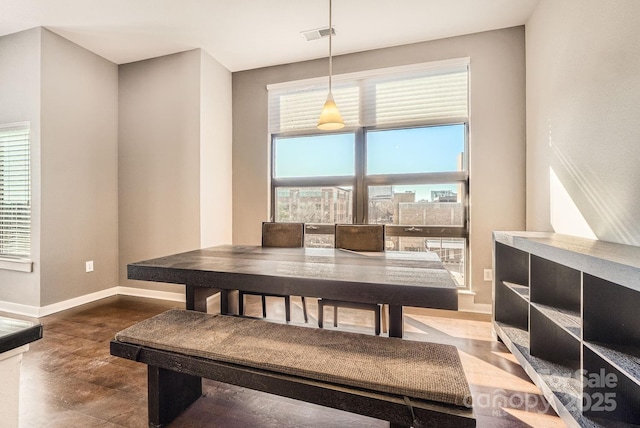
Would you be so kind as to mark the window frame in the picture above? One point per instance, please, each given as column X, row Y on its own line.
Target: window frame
column 458, row 177
column 360, row 182
column 323, row 181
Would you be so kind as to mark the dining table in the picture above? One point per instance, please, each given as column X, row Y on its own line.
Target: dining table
column 398, row 279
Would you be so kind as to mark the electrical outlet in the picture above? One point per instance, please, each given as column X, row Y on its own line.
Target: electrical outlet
column 488, row 274
column 89, row 266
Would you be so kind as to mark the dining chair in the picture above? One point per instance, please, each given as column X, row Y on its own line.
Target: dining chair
column 356, row 237
column 283, row 235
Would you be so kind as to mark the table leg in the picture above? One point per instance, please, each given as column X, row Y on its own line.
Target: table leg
column 196, row 298
column 190, row 295
column 224, row 301
column 395, row 321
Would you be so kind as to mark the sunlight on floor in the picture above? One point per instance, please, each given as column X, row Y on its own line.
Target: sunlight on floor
column 507, row 356
column 535, row 419
column 484, row 374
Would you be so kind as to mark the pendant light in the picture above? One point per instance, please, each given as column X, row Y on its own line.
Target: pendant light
column 330, row 118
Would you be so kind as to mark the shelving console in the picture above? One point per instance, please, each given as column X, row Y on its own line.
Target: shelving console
column 568, row 309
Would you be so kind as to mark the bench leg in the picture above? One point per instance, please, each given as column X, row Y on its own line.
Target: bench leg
column 170, row 393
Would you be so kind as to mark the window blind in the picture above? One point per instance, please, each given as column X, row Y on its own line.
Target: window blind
column 15, row 191
column 295, row 109
column 414, row 98
column 427, row 95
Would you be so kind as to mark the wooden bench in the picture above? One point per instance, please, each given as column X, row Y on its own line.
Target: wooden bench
column 404, row 382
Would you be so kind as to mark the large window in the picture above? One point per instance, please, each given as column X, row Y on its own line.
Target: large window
column 15, row 191
column 400, row 161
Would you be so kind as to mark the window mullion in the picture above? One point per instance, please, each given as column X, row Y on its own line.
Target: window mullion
column 420, row 178
column 313, row 181
column 360, row 195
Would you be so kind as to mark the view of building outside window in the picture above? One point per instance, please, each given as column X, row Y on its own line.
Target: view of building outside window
column 395, row 205
column 314, row 204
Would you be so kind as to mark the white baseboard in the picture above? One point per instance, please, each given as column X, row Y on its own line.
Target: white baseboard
column 42, row 311
column 76, row 301
column 152, row 294
column 18, row 309
column 466, row 303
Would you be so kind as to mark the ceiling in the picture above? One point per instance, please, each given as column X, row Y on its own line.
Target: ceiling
column 246, row 34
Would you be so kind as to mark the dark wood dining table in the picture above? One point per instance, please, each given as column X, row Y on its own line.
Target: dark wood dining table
column 417, row 279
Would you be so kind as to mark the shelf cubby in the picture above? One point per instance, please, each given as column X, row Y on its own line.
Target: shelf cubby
column 626, row 359
column 511, row 307
column 554, row 285
column 550, row 339
column 608, row 393
column 514, row 266
column 566, row 319
column 520, row 290
column 612, row 349
column 511, row 295
column 610, row 312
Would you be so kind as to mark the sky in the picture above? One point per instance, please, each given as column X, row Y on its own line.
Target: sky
column 411, row 150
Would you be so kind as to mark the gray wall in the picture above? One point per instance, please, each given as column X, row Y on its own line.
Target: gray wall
column 497, row 135
column 162, row 120
column 70, row 97
column 583, row 141
column 215, row 153
column 20, row 101
column 79, row 150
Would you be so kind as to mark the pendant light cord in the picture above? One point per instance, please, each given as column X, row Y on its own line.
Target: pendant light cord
column 330, row 118
column 330, row 58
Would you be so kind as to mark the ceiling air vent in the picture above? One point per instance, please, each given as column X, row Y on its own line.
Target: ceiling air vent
column 318, row 33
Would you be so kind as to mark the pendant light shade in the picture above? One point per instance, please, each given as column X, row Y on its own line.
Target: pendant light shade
column 330, row 118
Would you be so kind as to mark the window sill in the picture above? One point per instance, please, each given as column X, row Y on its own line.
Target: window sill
column 19, row 265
